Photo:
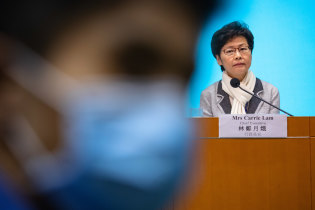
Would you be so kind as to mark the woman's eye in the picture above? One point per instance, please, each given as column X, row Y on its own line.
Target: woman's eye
column 243, row 49
column 229, row 51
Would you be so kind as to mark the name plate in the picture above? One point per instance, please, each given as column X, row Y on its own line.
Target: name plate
column 253, row 126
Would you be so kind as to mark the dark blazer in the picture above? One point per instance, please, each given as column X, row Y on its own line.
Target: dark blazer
column 214, row 101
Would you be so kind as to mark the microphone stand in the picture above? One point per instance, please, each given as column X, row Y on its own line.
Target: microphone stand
column 266, row 101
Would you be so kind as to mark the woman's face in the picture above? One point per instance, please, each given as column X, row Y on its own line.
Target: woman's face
column 237, row 64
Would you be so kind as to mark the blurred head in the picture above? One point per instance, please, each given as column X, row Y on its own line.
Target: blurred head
column 231, row 37
column 75, row 67
column 88, row 39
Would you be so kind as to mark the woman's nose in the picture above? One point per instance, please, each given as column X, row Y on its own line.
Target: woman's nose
column 237, row 54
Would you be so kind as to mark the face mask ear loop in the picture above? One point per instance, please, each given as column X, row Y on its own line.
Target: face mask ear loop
column 39, row 77
column 24, row 143
column 41, row 166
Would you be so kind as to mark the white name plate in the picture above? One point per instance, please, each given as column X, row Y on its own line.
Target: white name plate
column 253, row 126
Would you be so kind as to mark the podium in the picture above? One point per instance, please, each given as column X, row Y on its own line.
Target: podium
column 256, row 173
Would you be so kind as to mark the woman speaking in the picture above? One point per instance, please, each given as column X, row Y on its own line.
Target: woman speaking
column 232, row 47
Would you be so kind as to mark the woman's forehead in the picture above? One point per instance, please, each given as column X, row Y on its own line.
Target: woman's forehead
column 235, row 42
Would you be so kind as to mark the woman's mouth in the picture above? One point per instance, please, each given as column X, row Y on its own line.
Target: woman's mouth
column 239, row 64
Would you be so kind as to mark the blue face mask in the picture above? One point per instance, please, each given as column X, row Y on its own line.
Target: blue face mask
column 124, row 139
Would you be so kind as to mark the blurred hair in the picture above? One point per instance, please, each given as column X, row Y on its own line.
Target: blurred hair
column 228, row 32
column 36, row 22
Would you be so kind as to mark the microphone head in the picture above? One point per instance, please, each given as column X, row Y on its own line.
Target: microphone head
column 235, row 82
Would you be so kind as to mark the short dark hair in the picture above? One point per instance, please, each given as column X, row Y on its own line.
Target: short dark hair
column 228, row 32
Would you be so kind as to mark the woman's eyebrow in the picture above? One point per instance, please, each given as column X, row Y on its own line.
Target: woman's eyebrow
column 233, row 46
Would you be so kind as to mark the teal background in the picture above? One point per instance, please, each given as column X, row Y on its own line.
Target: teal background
column 284, row 50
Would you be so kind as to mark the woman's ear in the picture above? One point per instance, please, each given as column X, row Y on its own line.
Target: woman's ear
column 219, row 61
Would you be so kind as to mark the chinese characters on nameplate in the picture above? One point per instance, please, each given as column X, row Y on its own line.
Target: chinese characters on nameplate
column 253, row 126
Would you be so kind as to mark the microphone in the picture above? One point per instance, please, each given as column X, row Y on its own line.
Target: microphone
column 236, row 84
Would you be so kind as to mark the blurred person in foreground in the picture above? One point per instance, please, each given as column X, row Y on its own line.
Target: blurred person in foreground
column 232, row 46
column 92, row 101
